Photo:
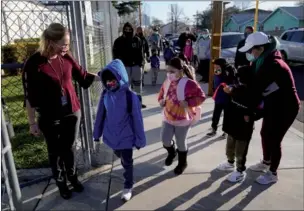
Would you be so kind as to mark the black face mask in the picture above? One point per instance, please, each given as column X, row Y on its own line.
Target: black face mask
column 128, row 34
column 140, row 34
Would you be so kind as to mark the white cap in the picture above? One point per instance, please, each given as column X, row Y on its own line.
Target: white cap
column 257, row 38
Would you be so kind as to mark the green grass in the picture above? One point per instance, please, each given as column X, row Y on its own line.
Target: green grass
column 28, row 151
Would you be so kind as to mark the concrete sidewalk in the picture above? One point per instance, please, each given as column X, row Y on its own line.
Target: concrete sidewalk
column 200, row 187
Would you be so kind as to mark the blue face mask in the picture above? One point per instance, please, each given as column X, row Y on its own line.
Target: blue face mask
column 250, row 57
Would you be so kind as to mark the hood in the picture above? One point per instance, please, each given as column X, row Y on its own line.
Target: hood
column 127, row 25
column 117, row 68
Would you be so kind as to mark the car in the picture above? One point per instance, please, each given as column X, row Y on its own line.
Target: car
column 229, row 43
column 292, row 45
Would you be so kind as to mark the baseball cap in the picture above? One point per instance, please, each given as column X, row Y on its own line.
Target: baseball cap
column 257, row 38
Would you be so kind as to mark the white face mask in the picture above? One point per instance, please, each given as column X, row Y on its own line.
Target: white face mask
column 250, row 57
column 205, row 36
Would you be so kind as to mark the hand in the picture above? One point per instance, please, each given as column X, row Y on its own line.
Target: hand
column 184, row 103
column 162, row 103
column 246, row 118
column 227, row 89
column 34, row 130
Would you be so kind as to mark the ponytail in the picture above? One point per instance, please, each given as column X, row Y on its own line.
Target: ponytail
column 188, row 72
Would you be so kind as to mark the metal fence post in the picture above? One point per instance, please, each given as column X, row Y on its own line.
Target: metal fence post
column 10, row 165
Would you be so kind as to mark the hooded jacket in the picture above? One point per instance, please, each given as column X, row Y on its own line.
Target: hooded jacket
column 120, row 129
column 129, row 50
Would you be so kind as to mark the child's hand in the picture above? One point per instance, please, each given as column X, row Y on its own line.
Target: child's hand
column 184, row 104
column 246, row 118
column 162, row 103
column 227, row 89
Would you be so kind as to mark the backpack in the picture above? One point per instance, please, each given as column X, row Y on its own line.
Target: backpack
column 181, row 97
column 128, row 99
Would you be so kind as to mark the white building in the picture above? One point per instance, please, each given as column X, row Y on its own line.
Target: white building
column 26, row 19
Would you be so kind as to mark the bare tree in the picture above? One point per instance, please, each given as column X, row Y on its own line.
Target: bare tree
column 175, row 15
column 156, row 22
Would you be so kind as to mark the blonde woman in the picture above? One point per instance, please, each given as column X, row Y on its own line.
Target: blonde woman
column 48, row 84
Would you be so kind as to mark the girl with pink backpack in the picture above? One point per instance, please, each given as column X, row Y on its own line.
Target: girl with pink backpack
column 181, row 97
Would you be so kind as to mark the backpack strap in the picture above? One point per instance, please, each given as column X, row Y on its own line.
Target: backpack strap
column 129, row 101
column 181, row 88
column 166, row 88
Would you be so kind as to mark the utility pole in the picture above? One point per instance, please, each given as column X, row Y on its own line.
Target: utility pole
column 139, row 13
column 217, row 22
column 256, row 15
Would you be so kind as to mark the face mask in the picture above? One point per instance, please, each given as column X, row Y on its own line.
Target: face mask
column 250, row 57
column 218, row 71
column 205, row 36
column 128, row 34
column 140, row 34
column 112, row 85
column 172, row 77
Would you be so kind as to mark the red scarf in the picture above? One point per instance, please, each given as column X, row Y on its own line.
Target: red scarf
column 215, row 93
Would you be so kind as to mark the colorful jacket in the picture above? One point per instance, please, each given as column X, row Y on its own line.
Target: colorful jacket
column 119, row 128
column 173, row 111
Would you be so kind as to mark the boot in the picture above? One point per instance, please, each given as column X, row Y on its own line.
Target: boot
column 64, row 190
column 182, row 162
column 171, row 155
column 77, row 186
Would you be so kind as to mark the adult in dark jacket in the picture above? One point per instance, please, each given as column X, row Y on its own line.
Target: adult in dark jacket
column 181, row 42
column 145, row 45
column 274, row 84
column 128, row 48
column 240, row 57
column 224, row 74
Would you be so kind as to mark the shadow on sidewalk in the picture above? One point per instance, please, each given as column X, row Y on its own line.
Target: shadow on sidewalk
column 152, row 167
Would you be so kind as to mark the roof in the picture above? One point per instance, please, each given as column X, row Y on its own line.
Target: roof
column 297, row 12
column 246, row 16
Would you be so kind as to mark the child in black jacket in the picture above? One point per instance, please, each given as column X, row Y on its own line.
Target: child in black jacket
column 238, row 123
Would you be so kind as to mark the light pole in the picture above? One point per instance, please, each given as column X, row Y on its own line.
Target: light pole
column 256, row 15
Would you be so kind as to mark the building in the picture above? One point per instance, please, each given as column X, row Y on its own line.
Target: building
column 238, row 22
column 172, row 28
column 284, row 18
column 27, row 20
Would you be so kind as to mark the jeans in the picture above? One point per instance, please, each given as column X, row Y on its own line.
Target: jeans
column 135, row 74
column 217, row 112
column 126, row 157
column 60, row 135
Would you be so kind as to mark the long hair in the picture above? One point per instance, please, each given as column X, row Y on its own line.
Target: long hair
column 180, row 65
column 53, row 33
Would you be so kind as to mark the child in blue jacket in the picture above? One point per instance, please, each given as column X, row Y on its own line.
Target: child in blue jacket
column 224, row 74
column 119, row 119
column 155, row 65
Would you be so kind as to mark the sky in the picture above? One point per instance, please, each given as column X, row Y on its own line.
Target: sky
column 160, row 9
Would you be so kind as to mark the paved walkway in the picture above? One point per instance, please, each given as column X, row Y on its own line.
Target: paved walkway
column 201, row 187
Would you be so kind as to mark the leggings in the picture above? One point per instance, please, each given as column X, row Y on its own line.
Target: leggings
column 180, row 133
column 273, row 130
column 60, row 135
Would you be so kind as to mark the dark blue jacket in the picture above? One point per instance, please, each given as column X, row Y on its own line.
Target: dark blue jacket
column 155, row 62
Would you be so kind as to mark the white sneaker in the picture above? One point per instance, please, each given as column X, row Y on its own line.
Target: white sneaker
column 261, row 167
column 236, row 176
column 226, row 167
column 267, row 178
column 126, row 194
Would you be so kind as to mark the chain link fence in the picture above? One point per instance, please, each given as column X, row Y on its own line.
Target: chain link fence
column 22, row 24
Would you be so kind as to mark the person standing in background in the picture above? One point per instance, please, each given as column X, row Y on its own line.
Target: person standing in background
column 240, row 57
column 155, row 40
column 155, row 65
column 145, row 45
column 203, row 54
column 182, row 40
column 128, row 48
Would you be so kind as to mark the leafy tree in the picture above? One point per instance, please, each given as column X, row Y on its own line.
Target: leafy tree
column 125, row 8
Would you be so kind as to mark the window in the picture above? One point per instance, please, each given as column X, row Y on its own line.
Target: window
column 231, row 41
column 287, row 36
column 297, row 36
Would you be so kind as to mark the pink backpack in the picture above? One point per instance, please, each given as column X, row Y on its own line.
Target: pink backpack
column 188, row 50
column 181, row 97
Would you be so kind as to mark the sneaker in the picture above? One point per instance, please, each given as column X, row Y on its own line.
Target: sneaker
column 260, row 167
column 143, row 106
column 267, row 178
column 212, row 133
column 226, row 167
column 126, row 194
column 236, row 176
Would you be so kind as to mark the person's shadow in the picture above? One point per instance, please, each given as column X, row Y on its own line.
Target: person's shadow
column 216, row 199
column 174, row 203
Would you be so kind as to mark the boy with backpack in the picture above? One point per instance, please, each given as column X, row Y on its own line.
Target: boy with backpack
column 155, row 66
column 119, row 120
column 168, row 53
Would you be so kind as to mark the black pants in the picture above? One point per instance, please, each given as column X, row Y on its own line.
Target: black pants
column 217, row 112
column 60, row 135
column 126, row 157
column 203, row 69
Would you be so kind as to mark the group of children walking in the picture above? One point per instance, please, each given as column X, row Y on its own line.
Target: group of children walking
column 119, row 119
